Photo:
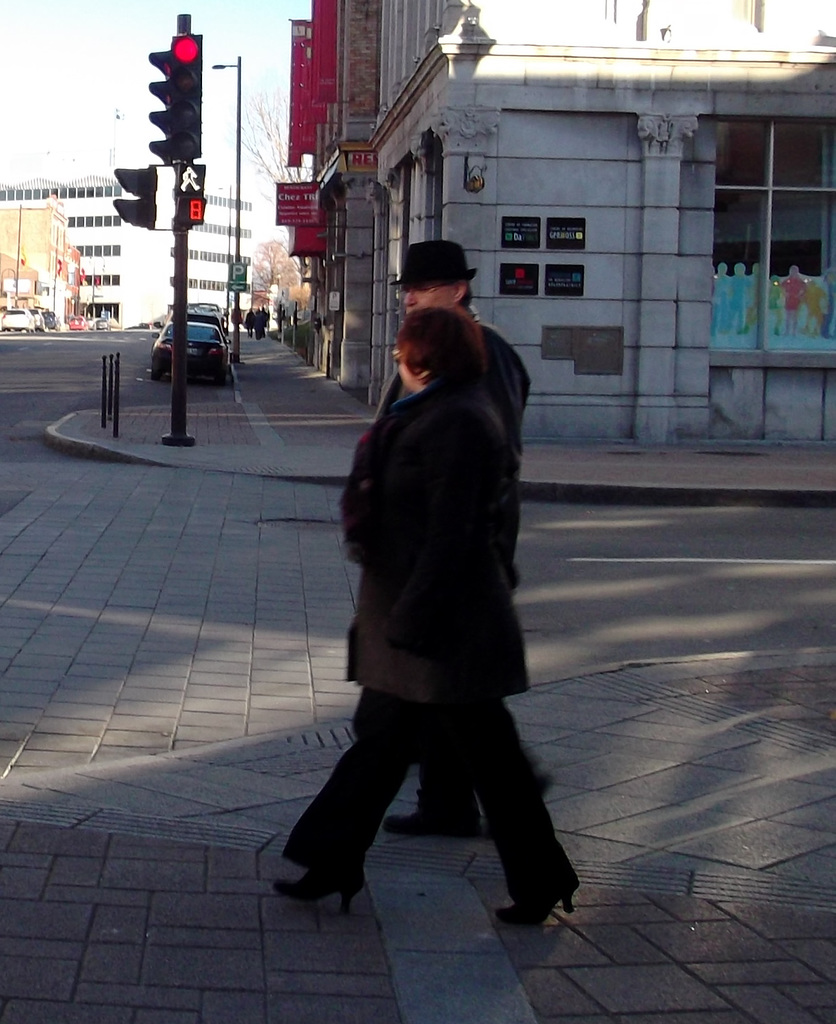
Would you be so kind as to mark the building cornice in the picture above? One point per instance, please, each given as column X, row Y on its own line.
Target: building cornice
column 83, row 181
column 611, row 68
column 639, row 52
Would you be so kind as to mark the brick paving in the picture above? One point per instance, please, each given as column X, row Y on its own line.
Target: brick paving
column 109, row 928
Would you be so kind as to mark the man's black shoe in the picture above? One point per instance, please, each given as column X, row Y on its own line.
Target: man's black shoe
column 418, row 824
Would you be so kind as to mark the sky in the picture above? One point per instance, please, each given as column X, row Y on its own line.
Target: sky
column 68, row 69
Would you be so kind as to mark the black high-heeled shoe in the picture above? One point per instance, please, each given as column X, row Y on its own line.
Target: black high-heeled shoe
column 535, row 912
column 320, row 882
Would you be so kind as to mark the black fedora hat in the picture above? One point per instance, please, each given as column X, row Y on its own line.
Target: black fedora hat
column 436, row 260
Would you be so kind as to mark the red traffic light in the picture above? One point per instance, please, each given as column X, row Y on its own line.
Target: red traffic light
column 185, row 49
column 181, row 94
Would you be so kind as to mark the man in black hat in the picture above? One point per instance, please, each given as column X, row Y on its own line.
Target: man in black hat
column 435, row 273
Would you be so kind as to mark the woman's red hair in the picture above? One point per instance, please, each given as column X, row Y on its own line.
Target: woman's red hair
column 443, row 343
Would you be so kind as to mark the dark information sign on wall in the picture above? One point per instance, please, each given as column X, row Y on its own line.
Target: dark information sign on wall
column 564, row 279
column 519, row 278
column 566, row 233
column 520, row 232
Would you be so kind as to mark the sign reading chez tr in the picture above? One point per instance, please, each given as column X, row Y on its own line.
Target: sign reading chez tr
column 297, row 204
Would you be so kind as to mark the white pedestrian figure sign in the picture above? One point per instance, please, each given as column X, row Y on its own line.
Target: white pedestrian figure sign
column 192, row 178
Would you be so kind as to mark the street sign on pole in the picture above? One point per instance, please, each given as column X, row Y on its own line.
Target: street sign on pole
column 237, row 277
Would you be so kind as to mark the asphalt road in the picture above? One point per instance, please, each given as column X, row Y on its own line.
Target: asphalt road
column 46, row 376
column 603, row 585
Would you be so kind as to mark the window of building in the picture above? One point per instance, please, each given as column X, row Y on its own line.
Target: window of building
column 775, row 236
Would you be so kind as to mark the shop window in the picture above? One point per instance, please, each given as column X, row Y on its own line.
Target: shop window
column 775, row 237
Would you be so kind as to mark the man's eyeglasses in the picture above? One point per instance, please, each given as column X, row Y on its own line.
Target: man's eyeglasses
column 422, row 288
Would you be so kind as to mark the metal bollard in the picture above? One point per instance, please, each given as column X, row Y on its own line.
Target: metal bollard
column 110, row 387
column 116, row 398
column 110, row 391
column 104, row 392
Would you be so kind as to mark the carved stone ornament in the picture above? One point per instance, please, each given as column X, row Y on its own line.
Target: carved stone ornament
column 664, row 135
column 463, row 127
column 376, row 193
column 421, row 149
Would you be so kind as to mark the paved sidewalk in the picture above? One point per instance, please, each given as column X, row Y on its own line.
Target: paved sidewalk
column 138, row 605
column 285, row 419
column 696, row 799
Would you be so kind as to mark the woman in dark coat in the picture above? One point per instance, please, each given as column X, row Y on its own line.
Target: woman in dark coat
column 435, row 634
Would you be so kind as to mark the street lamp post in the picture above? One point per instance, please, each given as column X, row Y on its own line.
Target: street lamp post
column 236, row 309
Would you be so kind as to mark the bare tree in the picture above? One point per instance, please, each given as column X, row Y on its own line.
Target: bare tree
column 272, row 264
column 264, row 131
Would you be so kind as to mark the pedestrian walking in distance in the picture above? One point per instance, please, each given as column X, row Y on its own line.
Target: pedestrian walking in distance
column 435, row 636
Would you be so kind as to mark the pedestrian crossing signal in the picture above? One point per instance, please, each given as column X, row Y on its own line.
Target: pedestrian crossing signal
column 189, row 211
column 197, row 207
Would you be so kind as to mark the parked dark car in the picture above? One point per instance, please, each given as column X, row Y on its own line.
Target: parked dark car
column 207, row 352
column 203, row 313
column 50, row 320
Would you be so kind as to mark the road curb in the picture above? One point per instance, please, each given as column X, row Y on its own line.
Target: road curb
column 651, row 494
column 57, row 436
column 53, row 438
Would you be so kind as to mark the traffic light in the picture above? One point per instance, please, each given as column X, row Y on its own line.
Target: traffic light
column 189, row 211
column 181, row 94
column 142, row 182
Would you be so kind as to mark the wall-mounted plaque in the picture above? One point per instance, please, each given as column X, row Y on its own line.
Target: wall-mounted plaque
column 593, row 350
column 564, row 279
column 566, row 233
column 519, row 278
column 520, row 232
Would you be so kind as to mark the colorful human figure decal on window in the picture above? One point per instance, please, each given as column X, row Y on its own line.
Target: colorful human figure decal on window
column 801, row 309
column 828, row 326
column 794, row 288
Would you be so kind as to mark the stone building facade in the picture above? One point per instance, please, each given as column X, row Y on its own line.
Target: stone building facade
column 647, row 190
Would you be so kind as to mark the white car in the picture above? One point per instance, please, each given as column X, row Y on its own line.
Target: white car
column 17, row 320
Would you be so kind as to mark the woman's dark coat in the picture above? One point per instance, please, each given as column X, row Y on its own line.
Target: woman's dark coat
column 435, row 621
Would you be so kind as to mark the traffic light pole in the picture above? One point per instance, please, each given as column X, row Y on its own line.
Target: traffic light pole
column 178, row 435
column 236, row 314
column 182, row 124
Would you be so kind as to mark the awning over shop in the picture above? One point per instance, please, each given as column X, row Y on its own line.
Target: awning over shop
column 307, row 241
